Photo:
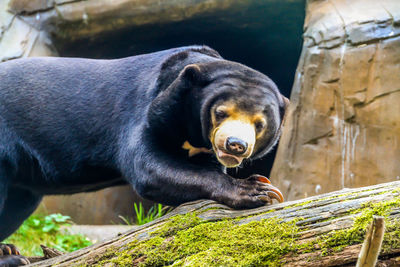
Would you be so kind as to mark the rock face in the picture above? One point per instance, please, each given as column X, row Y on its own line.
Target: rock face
column 343, row 125
column 20, row 39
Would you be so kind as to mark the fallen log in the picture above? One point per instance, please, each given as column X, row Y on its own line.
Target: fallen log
column 324, row 230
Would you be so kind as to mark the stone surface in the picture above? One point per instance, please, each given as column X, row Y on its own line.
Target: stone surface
column 30, row 6
column 20, row 39
column 343, row 125
column 98, row 233
column 5, row 18
column 78, row 19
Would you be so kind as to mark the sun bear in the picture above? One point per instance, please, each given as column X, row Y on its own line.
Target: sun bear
column 70, row 125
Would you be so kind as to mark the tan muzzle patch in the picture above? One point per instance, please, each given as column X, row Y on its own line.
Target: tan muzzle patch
column 233, row 141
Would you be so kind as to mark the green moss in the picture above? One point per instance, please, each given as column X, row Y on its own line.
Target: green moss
column 124, row 259
column 392, row 236
column 228, row 244
column 186, row 240
column 350, row 194
column 178, row 223
column 337, row 240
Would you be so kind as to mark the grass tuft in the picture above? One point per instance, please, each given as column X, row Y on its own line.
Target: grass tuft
column 51, row 231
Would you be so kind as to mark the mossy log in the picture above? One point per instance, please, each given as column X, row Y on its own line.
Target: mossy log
column 324, row 230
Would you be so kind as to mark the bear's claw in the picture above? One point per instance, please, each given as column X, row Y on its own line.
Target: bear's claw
column 8, row 249
column 273, row 192
column 263, row 179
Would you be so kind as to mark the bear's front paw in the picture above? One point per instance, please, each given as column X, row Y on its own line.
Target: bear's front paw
column 13, row 261
column 252, row 192
column 273, row 192
column 10, row 256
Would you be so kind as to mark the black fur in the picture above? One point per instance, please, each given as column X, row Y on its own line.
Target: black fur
column 71, row 125
column 13, row 261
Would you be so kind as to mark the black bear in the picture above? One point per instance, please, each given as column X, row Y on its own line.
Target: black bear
column 71, row 125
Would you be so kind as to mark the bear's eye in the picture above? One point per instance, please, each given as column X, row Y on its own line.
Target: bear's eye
column 220, row 114
column 260, row 125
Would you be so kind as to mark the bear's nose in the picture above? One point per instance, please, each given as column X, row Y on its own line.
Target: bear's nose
column 235, row 145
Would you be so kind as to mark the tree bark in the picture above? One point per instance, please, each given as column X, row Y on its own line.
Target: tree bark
column 319, row 215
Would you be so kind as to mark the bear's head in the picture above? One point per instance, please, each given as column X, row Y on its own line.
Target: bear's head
column 239, row 110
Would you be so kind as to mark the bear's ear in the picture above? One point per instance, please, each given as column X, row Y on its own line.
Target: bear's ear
column 283, row 107
column 193, row 74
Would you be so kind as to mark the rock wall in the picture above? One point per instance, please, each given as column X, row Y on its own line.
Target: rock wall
column 20, row 39
column 343, row 125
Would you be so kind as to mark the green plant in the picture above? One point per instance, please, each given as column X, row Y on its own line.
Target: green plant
column 126, row 220
column 51, row 231
column 154, row 212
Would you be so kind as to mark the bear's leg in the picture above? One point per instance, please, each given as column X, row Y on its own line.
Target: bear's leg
column 15, row 206
column 18, row 205
column 162, row 176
